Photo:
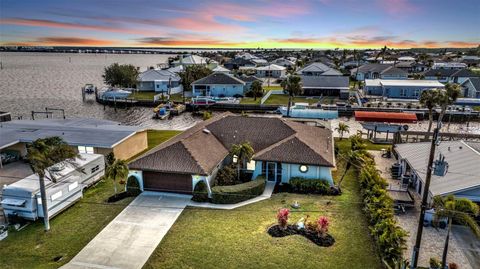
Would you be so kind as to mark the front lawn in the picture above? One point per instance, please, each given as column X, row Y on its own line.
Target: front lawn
column 71, row 230
column 203, row 238
column 142, row 95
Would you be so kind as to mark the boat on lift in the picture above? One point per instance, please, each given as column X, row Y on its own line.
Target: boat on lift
column 89, row 88
column 114, row 93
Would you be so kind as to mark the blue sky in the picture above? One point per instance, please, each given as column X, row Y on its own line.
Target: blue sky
column 248, row 23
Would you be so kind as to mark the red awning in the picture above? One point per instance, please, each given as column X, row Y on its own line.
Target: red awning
column 399, row 117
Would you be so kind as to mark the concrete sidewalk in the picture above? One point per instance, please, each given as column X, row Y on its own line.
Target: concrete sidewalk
column 128, row 241
column 267, row 193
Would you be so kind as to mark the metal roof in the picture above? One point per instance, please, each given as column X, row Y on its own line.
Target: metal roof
column 404, row 83
column 325, row 82
column 75, row 132
column 463, row 165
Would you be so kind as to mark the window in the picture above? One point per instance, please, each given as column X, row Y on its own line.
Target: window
column 72, row 186
column 95, row 169
column 55, row 196
column 251, row 165
column 403, row 92
column 234, row 159
column 85, row 149
column 303, row 168
column 416, row 93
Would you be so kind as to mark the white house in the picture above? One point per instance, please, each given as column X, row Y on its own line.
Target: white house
column 159, row 81
column 271, row 71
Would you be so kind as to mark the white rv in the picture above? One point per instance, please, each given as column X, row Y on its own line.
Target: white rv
column 22, row 198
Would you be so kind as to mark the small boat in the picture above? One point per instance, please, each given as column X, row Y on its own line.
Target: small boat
column 209, row 100
column 302, row 110
column 89, row 88
column 162, row 113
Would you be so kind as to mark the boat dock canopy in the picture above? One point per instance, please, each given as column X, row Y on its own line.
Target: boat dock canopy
column 399, row 117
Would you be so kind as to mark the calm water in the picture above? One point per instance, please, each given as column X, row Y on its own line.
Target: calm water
column 34, row 81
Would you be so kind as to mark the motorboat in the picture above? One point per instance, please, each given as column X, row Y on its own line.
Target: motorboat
column 113, row 94
column 89, row 88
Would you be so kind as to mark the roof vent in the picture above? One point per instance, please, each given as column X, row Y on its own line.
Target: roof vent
column 207, row 131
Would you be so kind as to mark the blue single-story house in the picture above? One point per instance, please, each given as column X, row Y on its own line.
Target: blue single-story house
column 218, row 84
column 402, row 89
column 155, row 80
column 283, row 149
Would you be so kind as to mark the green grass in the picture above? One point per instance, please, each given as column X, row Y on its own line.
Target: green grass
column 268, row 88
column 71, row 230
column 237, row 238
column 344, row 145
column 282, row 99
column 250, row 100
column 476, row 108
column 142, row 95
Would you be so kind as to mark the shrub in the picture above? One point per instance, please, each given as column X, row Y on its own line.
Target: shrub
column 207, row 115
column 322, row 226
column 238, row 193
column 315, row 186
column 200, row 192
column 282, row 217
column 434, row 263
column 133, row 188
column 226, row 176
column 378, row 208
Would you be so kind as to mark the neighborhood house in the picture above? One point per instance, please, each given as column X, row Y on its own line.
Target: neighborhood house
column 218, row 84
column 404, row 89
column 283, row 149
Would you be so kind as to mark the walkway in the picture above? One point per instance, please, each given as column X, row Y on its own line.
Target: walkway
column 128, row 241
column 267, row 193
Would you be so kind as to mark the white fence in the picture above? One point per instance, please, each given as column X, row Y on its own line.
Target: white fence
column 265, row 97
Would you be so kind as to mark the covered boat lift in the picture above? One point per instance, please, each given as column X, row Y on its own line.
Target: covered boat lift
column 381, row 122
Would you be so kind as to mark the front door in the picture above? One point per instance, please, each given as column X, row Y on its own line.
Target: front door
column 271, row 171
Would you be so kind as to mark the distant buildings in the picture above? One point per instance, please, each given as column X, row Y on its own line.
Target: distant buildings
column 449, row 65
column 471, row 87
column 378, row 71
column 402, row 89
column 271, row 71
column 192, row 59
column 450, row 75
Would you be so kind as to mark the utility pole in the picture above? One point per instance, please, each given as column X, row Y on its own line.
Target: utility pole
column 416, row 248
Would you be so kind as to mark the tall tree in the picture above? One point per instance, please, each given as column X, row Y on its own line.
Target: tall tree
column 191, row 74
column 244, row 153
column 342, row 128
column 460, row 210
column 117, row 171
column 256, row 89
column 121, row 75
column 42, row 154
column 429, row 99
column 447, row 97
column 292, row 85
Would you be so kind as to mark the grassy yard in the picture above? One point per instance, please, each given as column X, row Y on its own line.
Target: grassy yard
column 237, row 238
column 71, row 230
column 142, row 95
column 282, row 99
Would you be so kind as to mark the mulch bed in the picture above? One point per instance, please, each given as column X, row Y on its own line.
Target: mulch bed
column 277, row 231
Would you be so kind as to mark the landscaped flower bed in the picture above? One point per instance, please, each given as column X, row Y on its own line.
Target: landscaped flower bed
column 314, row 231
column 325, row 241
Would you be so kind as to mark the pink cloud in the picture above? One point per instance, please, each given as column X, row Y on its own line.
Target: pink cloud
column 397, row 7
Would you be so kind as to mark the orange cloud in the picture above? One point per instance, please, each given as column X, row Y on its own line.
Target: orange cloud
column 67, row 25
column 65, row 41
column 168, row 42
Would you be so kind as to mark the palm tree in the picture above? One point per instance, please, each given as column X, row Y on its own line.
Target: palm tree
column 118, row 170
column 257, row 89
column 448, row 97
column 353, row 157
column 244, row 153
column 44, row 153
column 293, row 86
column 460, row 210
column 342, row 128
column 429, row 99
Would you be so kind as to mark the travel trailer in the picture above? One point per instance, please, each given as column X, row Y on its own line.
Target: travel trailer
column 22, row 199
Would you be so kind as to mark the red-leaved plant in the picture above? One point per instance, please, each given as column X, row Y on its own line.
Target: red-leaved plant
column 322, row 226
column 282, row 217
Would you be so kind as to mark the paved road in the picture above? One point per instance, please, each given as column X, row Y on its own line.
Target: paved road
column 128, row 241
column 469, row 244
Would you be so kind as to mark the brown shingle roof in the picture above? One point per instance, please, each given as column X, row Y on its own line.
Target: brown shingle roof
column 197, row 151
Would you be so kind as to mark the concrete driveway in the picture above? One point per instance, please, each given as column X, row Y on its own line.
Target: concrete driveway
column 128, row 241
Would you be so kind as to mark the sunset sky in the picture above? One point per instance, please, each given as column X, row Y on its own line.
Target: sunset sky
column 241, row 24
